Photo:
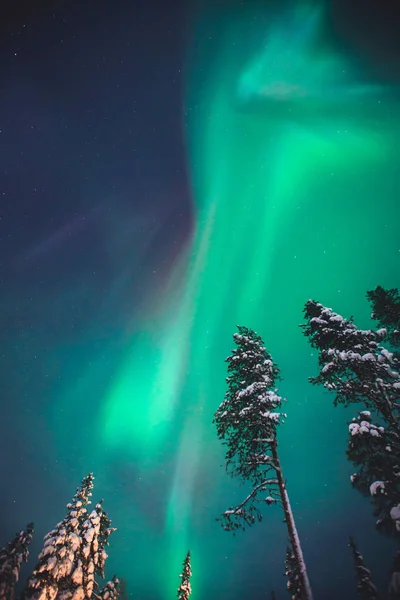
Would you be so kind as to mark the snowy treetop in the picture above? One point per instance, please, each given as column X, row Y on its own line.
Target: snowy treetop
column 249, row 414
column 74, row 552
column 352, row 362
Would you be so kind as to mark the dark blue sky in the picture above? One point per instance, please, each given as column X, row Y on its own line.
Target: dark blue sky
column 93, row 174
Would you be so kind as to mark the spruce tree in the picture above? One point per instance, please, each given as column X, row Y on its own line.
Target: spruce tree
column 58, row 570
column 11, row 557
column 386, row 311
column 185, row 589
column 74, row 552
column 96, row 530
column 365, row 586
column 358, row 369
column 247, row 422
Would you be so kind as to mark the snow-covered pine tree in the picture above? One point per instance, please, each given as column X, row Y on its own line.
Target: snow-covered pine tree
column 352, row 362
column 247, row 422
column 104, row 533
column 11, row 557
column 74, row 552
column 386, row 311
column 365, row 586
column 95, row 532
column 293, row 576
column 56, row 571
column 375, row 451
column 358, row 369
column 185, row 588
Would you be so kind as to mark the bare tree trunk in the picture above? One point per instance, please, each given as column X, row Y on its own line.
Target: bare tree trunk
column 291, row 525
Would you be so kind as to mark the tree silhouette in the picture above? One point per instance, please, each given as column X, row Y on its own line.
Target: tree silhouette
column 11, row 557
column 74, row 553
column 365, row 586
column 386, row 311
column 358, row 369
column 247, row 422
column 185, row 588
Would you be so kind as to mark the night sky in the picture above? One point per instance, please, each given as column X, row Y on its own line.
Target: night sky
column 169, row 170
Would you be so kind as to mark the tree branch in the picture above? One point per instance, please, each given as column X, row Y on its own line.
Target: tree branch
column 231, row 518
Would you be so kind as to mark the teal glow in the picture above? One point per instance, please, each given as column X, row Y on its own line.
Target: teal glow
column 292, row 159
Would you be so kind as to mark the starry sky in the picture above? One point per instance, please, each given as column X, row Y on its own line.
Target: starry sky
column 169, row 170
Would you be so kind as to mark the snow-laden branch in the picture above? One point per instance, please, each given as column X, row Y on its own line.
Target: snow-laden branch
column 247, row 512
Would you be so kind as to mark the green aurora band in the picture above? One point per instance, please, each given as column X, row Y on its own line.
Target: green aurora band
column 292, row 161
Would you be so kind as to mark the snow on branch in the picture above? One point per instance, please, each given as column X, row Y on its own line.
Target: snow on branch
column 247, row 512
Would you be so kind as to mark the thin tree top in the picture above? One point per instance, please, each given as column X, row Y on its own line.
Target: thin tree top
column 247, row 418
column 365, row 586
column 185, row 588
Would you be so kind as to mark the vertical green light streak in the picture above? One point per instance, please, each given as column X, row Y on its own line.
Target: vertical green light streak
column 273, row 225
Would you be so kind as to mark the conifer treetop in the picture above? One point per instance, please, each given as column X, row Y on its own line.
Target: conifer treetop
column 327, row 329
column 358, row 369
column 11, row 558
column 365, row 586
column 247, row 422
column 352, row 362
column 95, row 532
column 60, row 570
column 185, row 588
column 247, row 418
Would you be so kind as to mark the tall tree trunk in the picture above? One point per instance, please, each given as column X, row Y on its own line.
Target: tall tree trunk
column 291, row 525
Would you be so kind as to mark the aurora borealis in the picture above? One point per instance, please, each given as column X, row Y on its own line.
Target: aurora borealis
column 162, row 181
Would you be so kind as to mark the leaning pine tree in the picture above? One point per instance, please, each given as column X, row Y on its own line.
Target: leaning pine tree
column 365, row 586
column 185, row 588
column 11, row 557
column 247, row 422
